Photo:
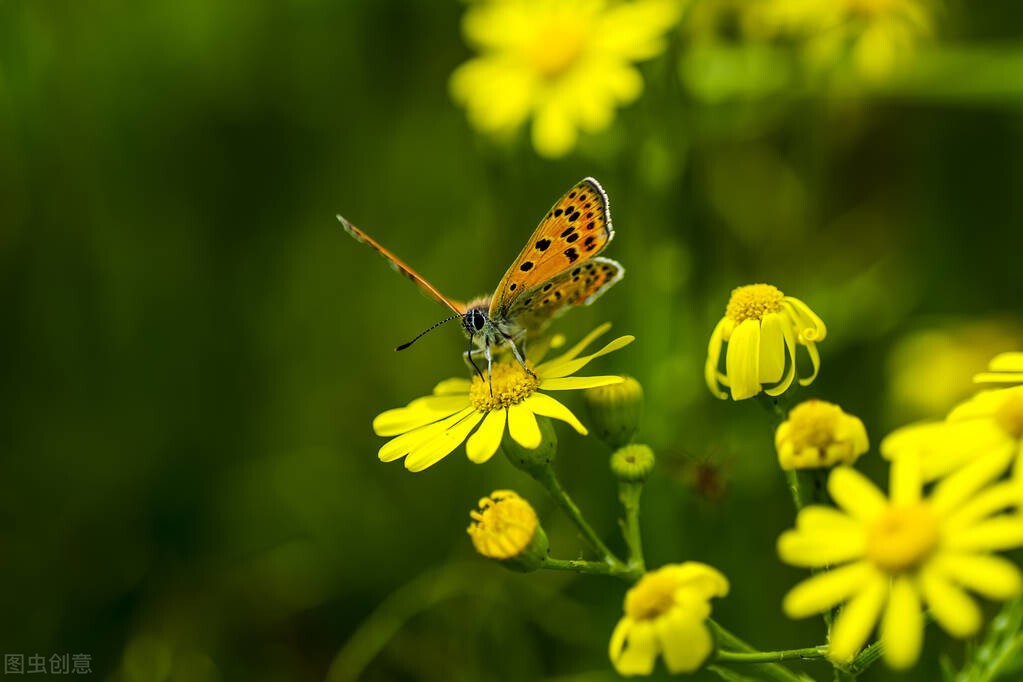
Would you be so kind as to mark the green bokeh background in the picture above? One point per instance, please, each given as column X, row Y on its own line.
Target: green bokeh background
column 194, row 352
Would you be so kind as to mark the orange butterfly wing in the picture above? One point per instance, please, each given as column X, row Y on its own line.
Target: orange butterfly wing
column 396, row 263
column 577, row 228
column 580, row 285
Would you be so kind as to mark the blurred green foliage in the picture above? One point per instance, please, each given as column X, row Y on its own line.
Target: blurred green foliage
column 194, row 351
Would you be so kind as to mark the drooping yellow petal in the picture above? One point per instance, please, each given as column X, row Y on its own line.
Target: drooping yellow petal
column 710, row 368
column 428, row 454
column 853, row 492
column 954, row 610
column 742, row 360
column 684, row 640
column 546, row 406
column 857, row 619
column 825, row 590
column 523, row 427
column 639, row 652
column 482, row 445
column 790, row 354
column 772, row 348
column 902, row 625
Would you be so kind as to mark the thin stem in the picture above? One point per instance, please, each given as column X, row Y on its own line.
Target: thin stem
column 550, row 481
column 628, row 495
column 807, row 654
column 792, row 478
column 588, row 567
column 770, row 671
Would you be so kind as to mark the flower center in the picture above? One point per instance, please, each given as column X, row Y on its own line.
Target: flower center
column 652, row 596
column 1010, row 415
column 504, row 526
column 753, row 301
column 556, row 48
column 902, row 537
column 511, row 385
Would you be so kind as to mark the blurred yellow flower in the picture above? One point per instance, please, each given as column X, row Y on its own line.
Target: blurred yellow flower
column 762, row 328
column 990, row 422
column 877, row 36
column 566, row 63
column 897, row 556
column 506, row 529
column 1005, row 368
column 429, row 428
column 819, row 434
column 664, row 615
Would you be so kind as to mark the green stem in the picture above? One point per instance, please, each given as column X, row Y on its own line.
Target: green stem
column 792, row 478
column 807, row 654
column 628, row 495
column 767, row 670
column 589, row 567
column 549, row 480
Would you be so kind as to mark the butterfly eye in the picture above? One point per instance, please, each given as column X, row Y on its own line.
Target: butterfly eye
column 476, row 319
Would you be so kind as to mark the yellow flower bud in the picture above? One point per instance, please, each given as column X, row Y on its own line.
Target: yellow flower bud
column 507, row 530
column 819, row 434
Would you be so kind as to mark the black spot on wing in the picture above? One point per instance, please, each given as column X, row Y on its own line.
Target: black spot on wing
column 543, row 244
column 571, row 254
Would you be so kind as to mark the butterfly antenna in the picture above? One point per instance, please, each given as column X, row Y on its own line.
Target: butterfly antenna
column 422, row 333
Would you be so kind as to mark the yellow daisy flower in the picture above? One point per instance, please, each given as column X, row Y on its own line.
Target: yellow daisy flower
column 566, row 63
column 762, row 328
column 879, row 36
column 819, row 434
column 665, row 614
column 897, row 556
column 1006, row 368
column 429, row 428
column 990, row 422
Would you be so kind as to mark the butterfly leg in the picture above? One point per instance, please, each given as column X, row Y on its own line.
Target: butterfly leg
column 490, row 360
column 517, row 354
column 469, row 361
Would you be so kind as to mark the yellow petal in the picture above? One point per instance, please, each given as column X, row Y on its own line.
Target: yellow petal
column 523, row 427
column 817, row 549
column 685, row 641
column 853, row 492
column 554, row 130
column 999, row 533
column 811, row 328
column 906, row 480
column 990, row 576
column 827, row 589
column 576, row 383
column 902, row 626
column 405, row 443
column 772, row 349
column 556, row 369
column 857, row 619
column 428, row 454
column 994, row 498
column 482, row 445
column 954, row 610
column 578, row 348
column 952, row 491
column 450, row 386
column 546, row 406
column 790, row 354
column 742, row 360
column 418, row 413
column 639, row 652
column 633, row 31
column 618, row 638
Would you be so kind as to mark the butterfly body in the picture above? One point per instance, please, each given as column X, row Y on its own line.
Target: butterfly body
column 557, row 269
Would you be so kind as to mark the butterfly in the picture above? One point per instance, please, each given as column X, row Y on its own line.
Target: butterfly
column 557, row 269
